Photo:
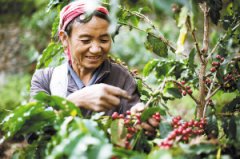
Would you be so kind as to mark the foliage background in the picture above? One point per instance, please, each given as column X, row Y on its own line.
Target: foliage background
column 35, row 24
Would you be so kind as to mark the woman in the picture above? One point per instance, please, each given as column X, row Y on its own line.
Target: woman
column 89, row 79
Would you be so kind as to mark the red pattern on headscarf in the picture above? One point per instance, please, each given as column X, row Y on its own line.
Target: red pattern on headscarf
column 73, row 10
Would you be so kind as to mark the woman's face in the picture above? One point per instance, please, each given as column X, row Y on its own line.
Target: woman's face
column 89, row 43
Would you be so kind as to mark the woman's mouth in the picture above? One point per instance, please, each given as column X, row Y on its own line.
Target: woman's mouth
column 94, row 58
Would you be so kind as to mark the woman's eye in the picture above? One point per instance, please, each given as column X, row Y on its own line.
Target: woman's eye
column 104, row 41
column 85, row 41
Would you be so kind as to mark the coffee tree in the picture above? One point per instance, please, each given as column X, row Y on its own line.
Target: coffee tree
column 195, row 65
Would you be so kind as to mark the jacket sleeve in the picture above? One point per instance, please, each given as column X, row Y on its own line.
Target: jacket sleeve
column 40, row 82
column 130, row 86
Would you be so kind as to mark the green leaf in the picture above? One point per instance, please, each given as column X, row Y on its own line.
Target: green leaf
column 134, row 20
column 32, row 117
column 64, row 107
column 79, row 138
column 202, row 148
column 174, row 92
column 118, row 132
column 165, row 127
column 211, row 128
column 156, row 46
column 191, row 64
column 214, row 12
column 147, row 113
column 149, row 67
column 49, row 53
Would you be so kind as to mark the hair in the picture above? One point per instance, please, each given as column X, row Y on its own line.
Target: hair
column 85, row 20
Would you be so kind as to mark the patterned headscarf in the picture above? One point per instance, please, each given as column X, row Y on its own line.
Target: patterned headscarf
column 75, row 9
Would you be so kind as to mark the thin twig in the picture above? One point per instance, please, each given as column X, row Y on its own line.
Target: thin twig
column 194, row 39
column 222, row 38
column 179, row 84
column 159, row 88
column 165, row 41
column 144, row 83
column 205, row 10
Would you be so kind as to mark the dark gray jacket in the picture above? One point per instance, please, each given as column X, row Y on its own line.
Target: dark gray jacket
column 111, row 73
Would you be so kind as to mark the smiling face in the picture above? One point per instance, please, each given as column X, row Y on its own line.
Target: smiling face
column 89, row 43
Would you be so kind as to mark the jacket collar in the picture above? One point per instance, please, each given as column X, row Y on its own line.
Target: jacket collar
column 105, row 71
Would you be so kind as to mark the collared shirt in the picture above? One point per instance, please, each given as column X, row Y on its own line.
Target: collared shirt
column 111, row 73
column 79, row 82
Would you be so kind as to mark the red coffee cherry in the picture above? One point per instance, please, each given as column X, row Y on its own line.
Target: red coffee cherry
column 183, row 82
column 189, row 91
column 184, row 93
column 213, row 69
column 215, row 64
column 115, row 115
column 218, row 57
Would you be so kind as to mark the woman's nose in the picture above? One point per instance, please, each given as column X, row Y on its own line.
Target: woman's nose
column 95, row 48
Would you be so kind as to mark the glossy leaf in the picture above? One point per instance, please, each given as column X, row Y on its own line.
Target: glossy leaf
column 156, row 46
column 147, row 113
column 118, row 132
column 64, row 107
column 32, row 117
column 149, row 67
column 49, row 53
column 165, row 127
column 174, row 92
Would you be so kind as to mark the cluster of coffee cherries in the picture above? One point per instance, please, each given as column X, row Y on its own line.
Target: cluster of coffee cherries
column 183, row 131
column 131, row 122
column 216, row 64
column 184, row 89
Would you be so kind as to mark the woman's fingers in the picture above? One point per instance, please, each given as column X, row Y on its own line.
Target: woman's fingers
column 139, row 107
column 117, row 91
column 153, row 122
column 147, row 127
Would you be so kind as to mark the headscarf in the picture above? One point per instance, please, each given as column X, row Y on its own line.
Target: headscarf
column 75, row 9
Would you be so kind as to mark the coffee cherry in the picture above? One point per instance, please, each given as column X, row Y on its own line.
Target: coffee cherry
column 183, row 82
column 213, row 69
column 215, row 64
column 121, row 116
column 222, row 59
column 218, row 57
column 129, row 136
column 208, row 81
column 128, row 112
column 184, row 93
column 115, row 115
column 188, row 87
column 127, row 144
column 189, row 91
column 127, row 121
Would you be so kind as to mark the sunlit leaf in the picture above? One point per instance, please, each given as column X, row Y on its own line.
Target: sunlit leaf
column 118, row 132
column 149, row 67
column 165, row 127
column 156, row 46
column 147, row 113
column 174, row 92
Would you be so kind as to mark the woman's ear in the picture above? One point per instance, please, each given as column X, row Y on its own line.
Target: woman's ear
column 64, row 38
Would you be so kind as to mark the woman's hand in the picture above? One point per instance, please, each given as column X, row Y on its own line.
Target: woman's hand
column 98, row 97
column 150, row 125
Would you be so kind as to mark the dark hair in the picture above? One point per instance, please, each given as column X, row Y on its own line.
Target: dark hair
column 85, row 19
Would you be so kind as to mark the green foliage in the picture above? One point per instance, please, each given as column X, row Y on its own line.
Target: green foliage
column 118, row 132
column 13, row 92
column 156, row 45
column 165, row 127
column 178, row 72
column 53, row 49
column 27, row 119
column 147, row 113
column 84, row 139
